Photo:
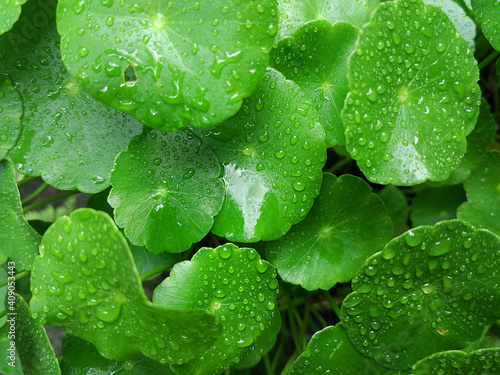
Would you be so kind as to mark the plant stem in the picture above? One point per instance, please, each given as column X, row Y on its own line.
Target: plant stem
column 338, row 165
column 319, row 317
column 3, row 313
column 289, row 363
column 146, row 275
column 332, row 303
column 35, row 194
column 51, row 199
column 293, row 328
column 492, row 56
column 17, row 276
column 268, row 365
column 25, row 180
column 292, row 304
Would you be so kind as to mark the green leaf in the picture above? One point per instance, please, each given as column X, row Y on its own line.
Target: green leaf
column 430, row 289
column 32, row 343
column 414, row 95
column 435, row 204
column 330, row 351
column 19, row 241
column 315, row 57
column 12, row 110
column 397, row 207
column 80, row 357
column 190, row 63
column 463, row 23
column 11, row 365
column 10, row 10
column 272, row 152
column 487, row 13
column 86, row 282
column 484, row 362
column 166, row 183
column 346, row 225
column 294, row 13
column 67, row 137
column 477, row 143
column 483, row 193
column 236, row 286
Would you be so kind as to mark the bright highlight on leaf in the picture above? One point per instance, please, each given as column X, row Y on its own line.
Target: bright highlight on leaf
column 414, row 95
column 169, row 64
column 430, row 289
column 487, row 13
column 272, row 151
column 18, row 240
column 315, row 57
column 166, row 190
column 237, row 287
column 10, row 10
column 11, row 109
column 483, row 361
column 85, row 281
column 347, row 224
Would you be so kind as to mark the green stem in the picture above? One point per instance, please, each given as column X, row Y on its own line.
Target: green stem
column 25, row 180
column 49, row 200
column 332, row 303
column 277, row 354
column 492, row 56
column 319, row 317
column 289, row 363
column 3, row 313
column 334, row 168
column 228, row 371
column 17, row 276
column 146, row 275
column 293, row 328
column 292, row 304
column 35, row 194
column 268, row 365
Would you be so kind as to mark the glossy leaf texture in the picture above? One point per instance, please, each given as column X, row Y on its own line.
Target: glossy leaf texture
column 483, row 194
column 414, row 95
column 80, row 357
column 483, row 361
column 169, row 63
column 166, row 190
column 86, row 282
column 330, row 352
column 315, row 57
column 10, row 10
column 67, row 137
column 487, row 13
column 430, row 289
column 272, row 152
column 435, row 204
column 347, row 224
column 18, row 240
column 11, row 108
column 294, row 13
column 32, row 343
column 237, row 287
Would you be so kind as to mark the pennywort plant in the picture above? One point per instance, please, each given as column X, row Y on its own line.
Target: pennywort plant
column 271, row 186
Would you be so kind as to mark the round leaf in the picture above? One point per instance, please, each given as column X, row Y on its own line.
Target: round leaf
column 86, row 282
column 294, row 13
column 236, row 286
column 315, row 57
column 67, row 137
column 19, row 241
column 10, row 10
column 166, row 183
column 414, row 95
column 484, row 362
column 436, row 204
column 272, row 152
column 168, row 63
column 483, row 192
column 11, row 110
column 430, row 289
column 346, row 225
column 487, row 13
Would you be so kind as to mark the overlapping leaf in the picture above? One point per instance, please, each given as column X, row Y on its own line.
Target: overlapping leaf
column 166, row 190
column 236, row 286
column 483, row 194
column 85, row 281
column 435, row 204
column 397, row 207
column 272, row 151
column 170, row 64
column 67, row 137
column 315, row 57
column 347, row 224
column 11, row 110
column 484, row 362
column 18, row 240
column 487, row 13
column 430, row 289
column 10, row 10
column 414, row 95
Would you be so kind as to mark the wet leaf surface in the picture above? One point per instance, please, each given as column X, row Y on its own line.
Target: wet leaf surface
column 238, row 288
column 86, row 282
column 10, row 10
column 484, row 362
column 430, row 289
column 166, row 183
column 414, row 95
column 487, row 13
column 11, row 108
